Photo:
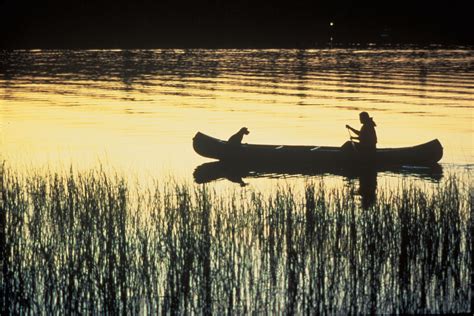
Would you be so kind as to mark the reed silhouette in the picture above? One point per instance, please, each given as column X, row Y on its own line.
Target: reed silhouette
column 89, row 242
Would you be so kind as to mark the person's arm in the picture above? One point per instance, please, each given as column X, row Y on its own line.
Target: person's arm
column 354, row 131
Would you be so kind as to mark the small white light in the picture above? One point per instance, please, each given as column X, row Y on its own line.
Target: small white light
column 331, row 24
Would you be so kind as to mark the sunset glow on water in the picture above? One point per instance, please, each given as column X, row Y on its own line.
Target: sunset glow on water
column 137, row 110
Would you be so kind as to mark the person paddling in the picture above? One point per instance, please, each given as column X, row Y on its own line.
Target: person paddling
column 367, row 136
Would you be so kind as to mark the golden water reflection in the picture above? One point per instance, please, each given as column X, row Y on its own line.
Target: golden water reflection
column 139, row 109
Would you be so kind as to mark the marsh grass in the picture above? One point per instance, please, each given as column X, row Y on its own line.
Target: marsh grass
column 90, row 243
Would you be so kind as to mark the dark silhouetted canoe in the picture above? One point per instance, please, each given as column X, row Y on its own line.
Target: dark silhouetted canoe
column 249, row 154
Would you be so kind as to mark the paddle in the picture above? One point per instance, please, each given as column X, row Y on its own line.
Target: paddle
column 350, row 138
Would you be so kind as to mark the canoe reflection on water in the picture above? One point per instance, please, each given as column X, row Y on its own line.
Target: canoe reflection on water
column 367, row 176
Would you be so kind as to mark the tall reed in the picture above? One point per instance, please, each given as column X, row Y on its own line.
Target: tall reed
column 92, row 243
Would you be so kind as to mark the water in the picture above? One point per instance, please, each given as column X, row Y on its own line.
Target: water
column 137, row 110
column 134, row 112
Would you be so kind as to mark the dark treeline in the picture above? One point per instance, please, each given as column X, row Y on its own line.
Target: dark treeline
column 219, row 23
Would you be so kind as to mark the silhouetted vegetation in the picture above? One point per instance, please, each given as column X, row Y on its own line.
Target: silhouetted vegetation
column 217, row 23
column 91, row 243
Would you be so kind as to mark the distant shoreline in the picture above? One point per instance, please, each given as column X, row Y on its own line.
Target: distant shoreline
column 230, row 24
column 404, row 46
column 210, row 36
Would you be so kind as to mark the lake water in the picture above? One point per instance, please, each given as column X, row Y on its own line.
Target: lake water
column 135, row 112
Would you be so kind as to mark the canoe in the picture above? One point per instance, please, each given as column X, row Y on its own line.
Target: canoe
column 254, row 154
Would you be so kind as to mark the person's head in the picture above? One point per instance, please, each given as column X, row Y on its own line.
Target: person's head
column 244, row 130
column 364, row 117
